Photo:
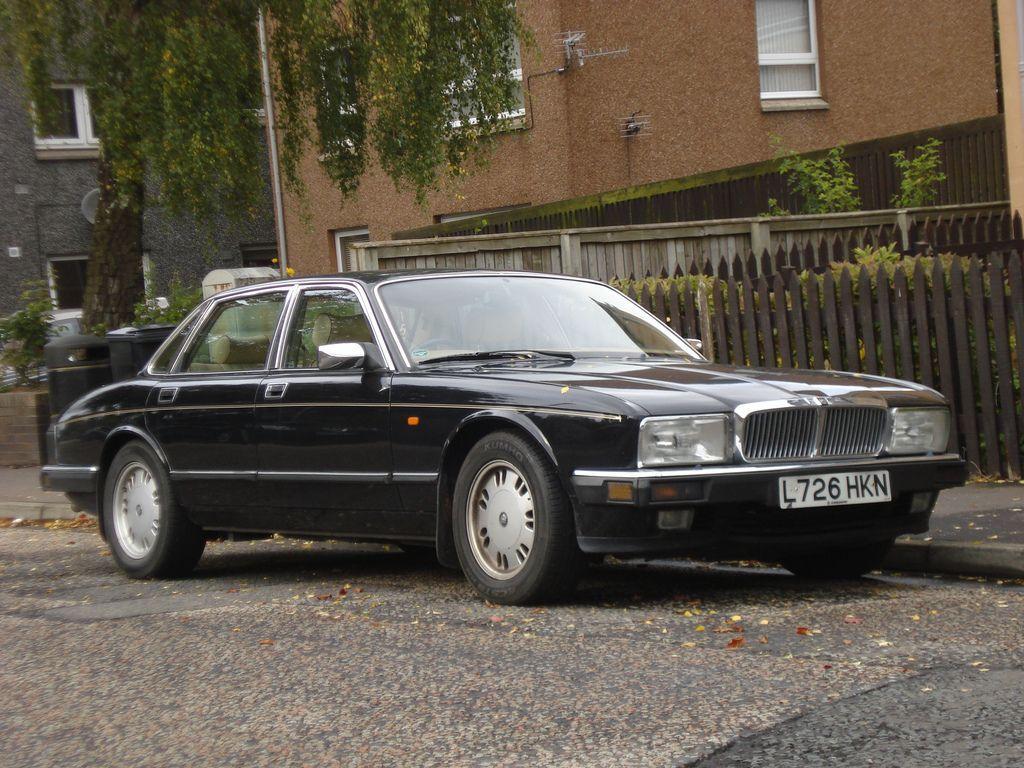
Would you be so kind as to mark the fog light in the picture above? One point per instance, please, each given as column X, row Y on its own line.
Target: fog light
column 619, row 491
column 675, row 519
column 922, row 502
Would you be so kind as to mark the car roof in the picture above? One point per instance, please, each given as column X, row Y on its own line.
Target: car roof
column 371, row 278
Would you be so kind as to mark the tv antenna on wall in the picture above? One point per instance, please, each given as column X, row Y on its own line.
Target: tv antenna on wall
column 573, row 44
column 635, row 126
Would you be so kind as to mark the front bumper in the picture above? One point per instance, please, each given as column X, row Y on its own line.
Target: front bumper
column 736, row 508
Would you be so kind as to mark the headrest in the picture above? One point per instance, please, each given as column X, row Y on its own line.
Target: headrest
column 225, row 350
column 329, row 329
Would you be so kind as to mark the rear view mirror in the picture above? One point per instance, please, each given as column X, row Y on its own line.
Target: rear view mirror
column 346, row 356
column 695, row 343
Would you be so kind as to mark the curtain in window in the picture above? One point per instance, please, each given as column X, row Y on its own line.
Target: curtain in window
column 787, row 78
column 783, row 26
column 784, row 45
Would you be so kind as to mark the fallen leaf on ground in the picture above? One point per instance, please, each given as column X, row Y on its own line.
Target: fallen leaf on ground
column 803, row 631
column 266, row 641
column 736, row 642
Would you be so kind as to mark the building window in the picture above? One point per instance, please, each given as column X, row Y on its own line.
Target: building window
column 787, row 49
column 343, row 238
column 67, row 280
column 515, row 64
column 72, row 125
column 259, row 255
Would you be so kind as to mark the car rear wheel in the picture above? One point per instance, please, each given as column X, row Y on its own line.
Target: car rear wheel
column 513, row 525
column 148, row 534
column 843, row 563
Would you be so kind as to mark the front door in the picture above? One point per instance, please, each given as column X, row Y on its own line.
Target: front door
column 203, row 413
column 325, row 452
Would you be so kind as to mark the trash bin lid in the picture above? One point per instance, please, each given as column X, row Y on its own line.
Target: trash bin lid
column 78, row 349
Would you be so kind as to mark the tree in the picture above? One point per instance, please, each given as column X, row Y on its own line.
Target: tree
column 175, row 88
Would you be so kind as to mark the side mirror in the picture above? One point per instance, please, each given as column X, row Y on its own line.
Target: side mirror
column 347, row 355
column 695, row 343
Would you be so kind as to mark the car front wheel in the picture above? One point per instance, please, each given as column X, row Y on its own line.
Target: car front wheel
column 513, row 525
column 840, row 563
column 149, row 535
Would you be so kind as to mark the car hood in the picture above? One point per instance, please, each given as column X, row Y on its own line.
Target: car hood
column 664, row 388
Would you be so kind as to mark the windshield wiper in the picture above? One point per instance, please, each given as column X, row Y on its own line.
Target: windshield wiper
column 502, row 354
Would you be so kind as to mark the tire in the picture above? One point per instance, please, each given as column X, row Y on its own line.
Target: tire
column 172, row 546
column 489, row 542
column 842, row 563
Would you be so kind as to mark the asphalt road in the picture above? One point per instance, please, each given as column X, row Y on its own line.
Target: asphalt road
column 286, row 653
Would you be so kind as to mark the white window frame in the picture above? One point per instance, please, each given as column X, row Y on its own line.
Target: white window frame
column 779, row 59
column 343, row 234
column 51, row 278
column 85, row 138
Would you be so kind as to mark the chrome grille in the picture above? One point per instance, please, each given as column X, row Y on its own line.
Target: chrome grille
column 852, row 432
column 779, row 434
column 784, row 433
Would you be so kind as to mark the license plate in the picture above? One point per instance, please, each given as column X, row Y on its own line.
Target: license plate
column 834, row 489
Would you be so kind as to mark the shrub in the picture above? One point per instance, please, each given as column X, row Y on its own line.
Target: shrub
column 180, row 301
column 824, row 185
column 919, row 176
column 23, row 333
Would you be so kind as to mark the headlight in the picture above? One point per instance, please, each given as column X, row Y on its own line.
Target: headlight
column 684, row 440
column 918, row 430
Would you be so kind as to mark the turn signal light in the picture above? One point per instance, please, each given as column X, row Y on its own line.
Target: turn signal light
column 620, row 491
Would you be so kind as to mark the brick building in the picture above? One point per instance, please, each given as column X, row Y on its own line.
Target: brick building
column 718, row 78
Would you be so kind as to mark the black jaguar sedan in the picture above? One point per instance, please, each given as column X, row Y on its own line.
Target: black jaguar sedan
column 519, row 424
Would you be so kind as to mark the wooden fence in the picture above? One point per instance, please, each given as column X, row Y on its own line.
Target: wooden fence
column 972, row 156
column 747, row 246
column 953, row 323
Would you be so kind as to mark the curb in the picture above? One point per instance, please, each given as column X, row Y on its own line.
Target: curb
column 957, row 557
column 36, row 510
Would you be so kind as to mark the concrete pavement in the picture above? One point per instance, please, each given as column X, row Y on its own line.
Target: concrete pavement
column 287, row 653
column 21, row 497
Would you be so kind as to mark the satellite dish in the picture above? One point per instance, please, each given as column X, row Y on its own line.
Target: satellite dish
column 89, row 204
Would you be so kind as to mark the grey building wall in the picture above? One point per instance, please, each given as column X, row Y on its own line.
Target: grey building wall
column 40, row 214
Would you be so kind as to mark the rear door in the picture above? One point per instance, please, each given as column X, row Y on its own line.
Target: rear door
column 202, row 413
column 325, row 452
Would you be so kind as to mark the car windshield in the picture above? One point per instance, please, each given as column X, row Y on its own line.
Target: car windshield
column 468, row 316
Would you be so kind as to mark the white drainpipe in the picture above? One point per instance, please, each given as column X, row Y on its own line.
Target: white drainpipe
column 275, row 170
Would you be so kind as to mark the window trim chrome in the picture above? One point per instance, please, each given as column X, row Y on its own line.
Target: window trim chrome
column 211, row 304
column 196, row 312
column 292, row 309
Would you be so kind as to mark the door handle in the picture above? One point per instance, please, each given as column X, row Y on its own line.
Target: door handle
column 275, row 391
column 166, row 395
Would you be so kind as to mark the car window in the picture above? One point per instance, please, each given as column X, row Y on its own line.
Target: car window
column 237, row 337
column 165, row 357
column 325, row 317
column 462, row 315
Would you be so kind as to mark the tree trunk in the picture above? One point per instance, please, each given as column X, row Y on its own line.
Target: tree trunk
column 113, row 281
